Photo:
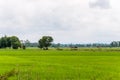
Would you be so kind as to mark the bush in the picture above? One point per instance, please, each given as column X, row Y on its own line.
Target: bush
column 15, row 47
column 24, row 47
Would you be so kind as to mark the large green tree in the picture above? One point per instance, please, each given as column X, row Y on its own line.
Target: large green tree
column 15, row 42
column 45, row 42
column 3, row 42
column 9, row 42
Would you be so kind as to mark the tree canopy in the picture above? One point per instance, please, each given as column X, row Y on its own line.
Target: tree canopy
column 45, row 42
column 12, row 41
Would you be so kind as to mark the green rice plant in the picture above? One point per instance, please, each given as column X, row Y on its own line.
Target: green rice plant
column 9, row 74
column 36, row 64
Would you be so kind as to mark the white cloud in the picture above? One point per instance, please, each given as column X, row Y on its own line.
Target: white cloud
column 68, row 21
column 104, row 4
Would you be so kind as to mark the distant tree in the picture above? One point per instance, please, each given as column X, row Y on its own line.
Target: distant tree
column 3, row 42
column 70, row 45
column 34, row 44
column 58, row 45
column 9, row 42
column 15, row 42
column 119, row 43
column 41, row 45
column 45, row 42
column 24, row 47
column 27, row 43
column 114, row 44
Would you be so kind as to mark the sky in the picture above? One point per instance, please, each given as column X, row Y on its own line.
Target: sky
column 67, row 21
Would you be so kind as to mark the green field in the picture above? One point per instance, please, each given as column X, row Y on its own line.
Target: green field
column 85, row 64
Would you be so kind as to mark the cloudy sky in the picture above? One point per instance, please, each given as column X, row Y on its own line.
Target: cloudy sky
column 67, row 21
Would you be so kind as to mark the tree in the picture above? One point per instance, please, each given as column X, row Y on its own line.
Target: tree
column 114, row 44
column 24, row 47
column 45, row 42
column 40, row 43
column 27, row 43
column 15, row 42
column 9, row 42
column 3, row 42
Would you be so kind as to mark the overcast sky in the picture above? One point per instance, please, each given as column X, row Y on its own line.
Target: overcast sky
column 67, row 21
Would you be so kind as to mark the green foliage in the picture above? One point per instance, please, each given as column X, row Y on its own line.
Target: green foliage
column 45, row 42
column 15, row 45
column 27, row 43
column 15, row 42
column 3, row 42
column 10, row 42
column 115, row 44
column 24, row 47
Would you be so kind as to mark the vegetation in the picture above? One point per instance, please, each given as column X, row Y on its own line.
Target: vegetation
column 82, row 64
column 65, row 62
column 9, row 74
column 12, row 41
column 15, row 42
column 45, row 42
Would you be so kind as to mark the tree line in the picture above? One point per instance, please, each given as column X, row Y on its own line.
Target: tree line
column 44, row 42
column 80, row 45
column 15, row 43
column 115, row 44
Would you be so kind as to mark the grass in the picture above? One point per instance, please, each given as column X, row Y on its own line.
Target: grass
column 84, row 64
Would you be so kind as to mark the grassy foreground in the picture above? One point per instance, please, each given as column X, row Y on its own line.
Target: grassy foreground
column 35, row 64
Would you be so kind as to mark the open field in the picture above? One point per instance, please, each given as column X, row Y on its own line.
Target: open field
column 85, row 64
